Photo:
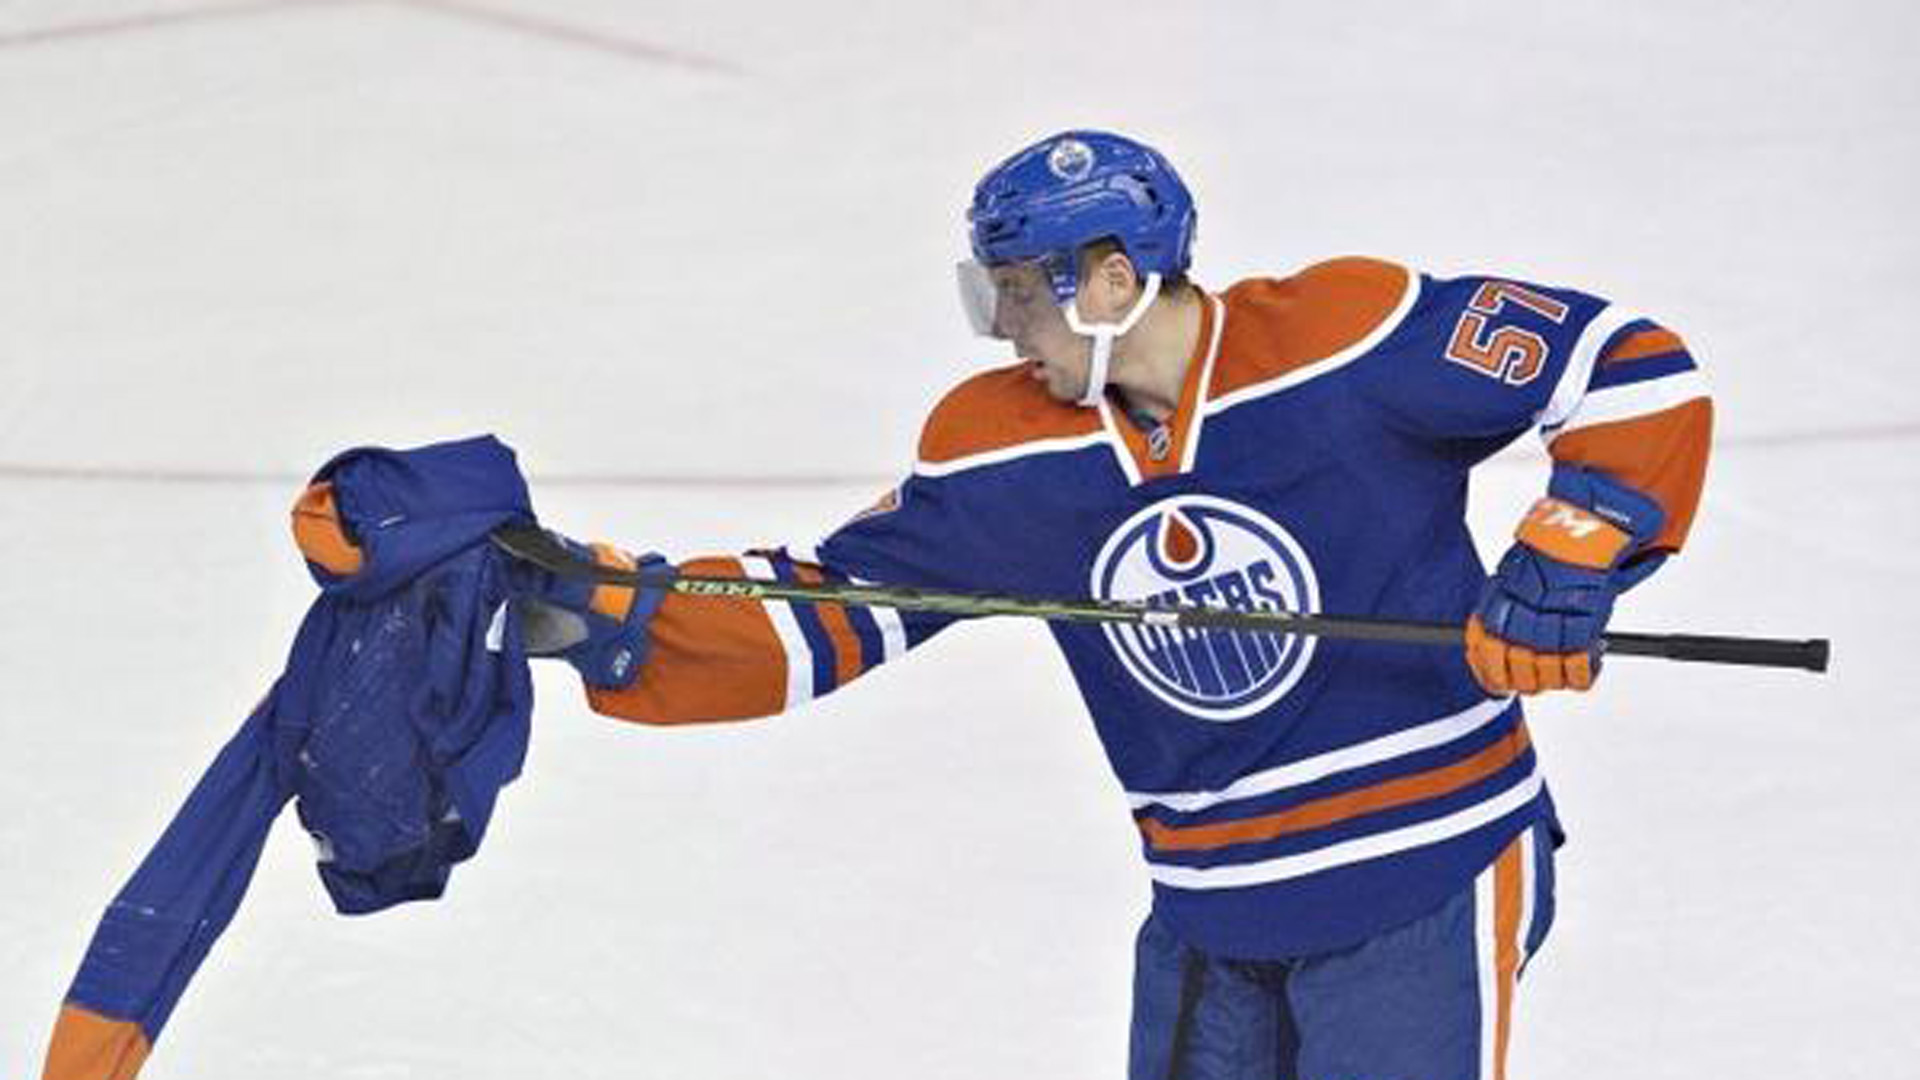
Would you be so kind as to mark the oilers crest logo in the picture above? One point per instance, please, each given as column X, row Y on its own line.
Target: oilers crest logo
column 1203, row 550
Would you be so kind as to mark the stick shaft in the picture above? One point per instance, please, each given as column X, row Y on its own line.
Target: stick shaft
column 534, row 545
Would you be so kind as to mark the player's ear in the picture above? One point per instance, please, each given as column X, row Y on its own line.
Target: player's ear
column 1117, row 285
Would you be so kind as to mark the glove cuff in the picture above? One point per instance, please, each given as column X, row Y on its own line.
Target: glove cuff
column 1571, row 534
column 1589, row 519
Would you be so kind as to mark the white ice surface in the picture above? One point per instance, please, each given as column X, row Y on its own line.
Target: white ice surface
column 694, row 261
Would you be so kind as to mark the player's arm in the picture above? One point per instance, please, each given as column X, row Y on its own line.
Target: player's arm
column 1629, row 434
column 1621, row 403
column 668, row 658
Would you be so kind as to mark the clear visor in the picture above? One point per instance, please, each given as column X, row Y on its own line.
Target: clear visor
column 1004, row 301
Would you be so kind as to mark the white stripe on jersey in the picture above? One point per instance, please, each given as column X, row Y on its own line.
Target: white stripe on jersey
column 1010, row 453
column 1347, row 852
column 792, row 640
column 1634, row 399
column 1306, row 770
column 893, row 633
column 1192, row 453
column 1579, row 370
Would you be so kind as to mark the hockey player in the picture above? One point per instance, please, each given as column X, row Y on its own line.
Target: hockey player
column 1351, row 843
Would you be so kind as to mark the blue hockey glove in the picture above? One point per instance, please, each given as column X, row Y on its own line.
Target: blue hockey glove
column 600, row 629
column 1540, row 616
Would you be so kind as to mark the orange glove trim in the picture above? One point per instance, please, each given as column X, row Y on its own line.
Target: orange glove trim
column 321, row 536
column 613, row 601
column 1502, row 668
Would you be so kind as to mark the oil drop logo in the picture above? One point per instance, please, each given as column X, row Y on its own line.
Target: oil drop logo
column 1203, row 550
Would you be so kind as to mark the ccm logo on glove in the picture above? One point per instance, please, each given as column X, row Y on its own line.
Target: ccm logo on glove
column 1572, row 535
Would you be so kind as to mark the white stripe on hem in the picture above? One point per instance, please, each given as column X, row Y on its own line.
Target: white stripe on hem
column 1425, row 736
column 1359, row 849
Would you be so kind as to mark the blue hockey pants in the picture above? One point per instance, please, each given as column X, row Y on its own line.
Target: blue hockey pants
column 1430, row 1000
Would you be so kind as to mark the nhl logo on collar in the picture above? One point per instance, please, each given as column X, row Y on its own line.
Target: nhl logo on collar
column 1203, row 550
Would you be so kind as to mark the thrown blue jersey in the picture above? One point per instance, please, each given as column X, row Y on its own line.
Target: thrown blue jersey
column 1292, row 794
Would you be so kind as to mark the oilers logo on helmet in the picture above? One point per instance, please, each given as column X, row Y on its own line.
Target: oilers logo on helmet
column 1070, row 159
column 1200, row 549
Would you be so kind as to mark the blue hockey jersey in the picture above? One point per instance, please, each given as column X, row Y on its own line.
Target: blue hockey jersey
column 1293, row 795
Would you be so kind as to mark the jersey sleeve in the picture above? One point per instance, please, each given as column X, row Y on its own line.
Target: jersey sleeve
column 717, row 659
column 1644, row 416
column 1482, row 360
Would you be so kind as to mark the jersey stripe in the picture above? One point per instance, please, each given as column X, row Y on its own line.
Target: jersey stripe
column 1609, row 375
column 1011, row 453
column 872, row 648
column 1572, row 387
column 1425, row 736
column 1192, row 452
column 840, row 641
column 800, row 672
column 1644, row 340
column 1617, row 403
column 1359, row 849
column 812, row 627
column 1334, row 809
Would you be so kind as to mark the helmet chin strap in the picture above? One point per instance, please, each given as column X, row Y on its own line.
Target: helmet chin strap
column 1103, row 335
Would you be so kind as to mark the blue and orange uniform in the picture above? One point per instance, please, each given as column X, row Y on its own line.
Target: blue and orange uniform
column 1294, row 796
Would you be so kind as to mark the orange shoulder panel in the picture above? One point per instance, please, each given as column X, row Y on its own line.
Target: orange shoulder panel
column 1663, row 454
column 998, row 409
column 1275, row 325
column 708, row 658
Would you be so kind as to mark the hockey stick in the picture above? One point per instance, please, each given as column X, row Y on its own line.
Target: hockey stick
column 534, row 545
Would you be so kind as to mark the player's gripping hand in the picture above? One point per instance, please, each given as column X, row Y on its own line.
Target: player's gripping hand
column 600, row 629
column 1541, row 613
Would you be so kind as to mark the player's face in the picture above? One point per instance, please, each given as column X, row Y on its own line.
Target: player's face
column 1026, row 314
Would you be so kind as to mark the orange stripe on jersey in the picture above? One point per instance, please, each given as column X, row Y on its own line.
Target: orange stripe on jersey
column 88, row 1046
column 1334, row 809
column 1662, row 454
column 1277, row 325
column 708, row 658
column 1181, row 423
column 998, row 410
column 1639, row 346
column 833, row 619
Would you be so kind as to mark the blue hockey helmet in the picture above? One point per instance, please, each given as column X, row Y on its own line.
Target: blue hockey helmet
column 1053, row 198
